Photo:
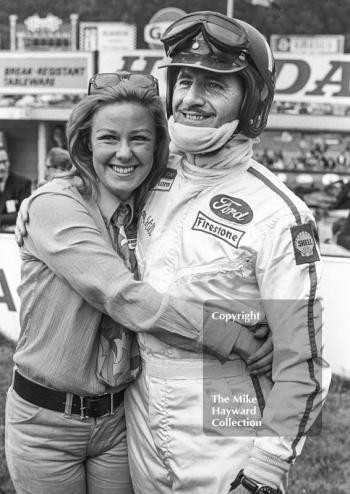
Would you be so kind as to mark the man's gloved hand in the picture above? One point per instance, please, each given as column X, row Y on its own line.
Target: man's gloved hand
column 21, row 223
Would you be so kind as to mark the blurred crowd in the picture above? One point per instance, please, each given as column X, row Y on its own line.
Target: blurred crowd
column 304, row 108
column 40, row 100
column 317, row 168
column 311, row 156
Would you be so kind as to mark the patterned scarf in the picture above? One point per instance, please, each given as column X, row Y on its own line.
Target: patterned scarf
column 118, row 358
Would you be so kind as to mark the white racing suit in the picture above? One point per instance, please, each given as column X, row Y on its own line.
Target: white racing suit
column 237, row 235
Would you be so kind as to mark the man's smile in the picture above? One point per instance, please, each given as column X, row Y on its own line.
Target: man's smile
column 193, row 115
column 193, row 118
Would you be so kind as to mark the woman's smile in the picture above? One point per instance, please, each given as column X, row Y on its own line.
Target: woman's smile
column 123, row 170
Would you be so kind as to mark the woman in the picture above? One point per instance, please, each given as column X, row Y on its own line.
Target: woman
column 56, row 440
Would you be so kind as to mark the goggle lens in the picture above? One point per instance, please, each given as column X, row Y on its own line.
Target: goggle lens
column 225, row 34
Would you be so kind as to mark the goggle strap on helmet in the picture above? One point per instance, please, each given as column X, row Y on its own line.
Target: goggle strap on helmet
column 255, row 108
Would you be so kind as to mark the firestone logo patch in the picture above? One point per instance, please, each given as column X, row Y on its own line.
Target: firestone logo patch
column 231, row 209
column 228, row 234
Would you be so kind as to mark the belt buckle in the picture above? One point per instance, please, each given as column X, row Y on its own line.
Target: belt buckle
column 85, row 401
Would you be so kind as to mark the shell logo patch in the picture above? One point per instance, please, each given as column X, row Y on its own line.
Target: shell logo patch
column 304, row 244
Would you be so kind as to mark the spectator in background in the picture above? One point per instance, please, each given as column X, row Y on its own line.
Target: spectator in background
column 13, row 189
column 59, row 137
column 57, row 160
column 343, row 237
column 329, row 163
column 279, row 162
column 343, row 159
column 303, row 145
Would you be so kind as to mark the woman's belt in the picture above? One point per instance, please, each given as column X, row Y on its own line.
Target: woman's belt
column 85, row 406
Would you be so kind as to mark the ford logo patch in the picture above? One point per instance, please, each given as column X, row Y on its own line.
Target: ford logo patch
column 231, row 209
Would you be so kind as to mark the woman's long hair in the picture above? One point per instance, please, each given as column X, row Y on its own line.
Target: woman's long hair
column 79, row 131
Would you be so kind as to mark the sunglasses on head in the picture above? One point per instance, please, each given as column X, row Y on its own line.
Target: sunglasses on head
column 225, row 34
column 99, row 82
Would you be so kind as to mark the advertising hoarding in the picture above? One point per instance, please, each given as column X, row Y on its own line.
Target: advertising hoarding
column 313, row 78
column 43, row 72
column 301, row 78
column 44, row 33
column 317, row 44
column 107, row 36
column 159, row 23
column 145, row 61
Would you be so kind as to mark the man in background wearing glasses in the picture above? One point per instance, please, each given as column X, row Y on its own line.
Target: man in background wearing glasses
column 221, row 227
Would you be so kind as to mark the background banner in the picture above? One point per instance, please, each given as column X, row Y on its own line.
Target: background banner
column 43, row 72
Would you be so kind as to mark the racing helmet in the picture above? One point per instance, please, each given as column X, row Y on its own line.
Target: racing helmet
column 215, row 42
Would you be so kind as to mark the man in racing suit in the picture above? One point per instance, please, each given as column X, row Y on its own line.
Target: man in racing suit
column 220, row 227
